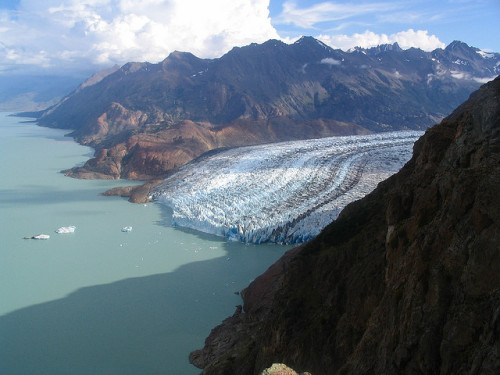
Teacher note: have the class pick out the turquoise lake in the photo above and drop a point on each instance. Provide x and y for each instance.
(101, 301)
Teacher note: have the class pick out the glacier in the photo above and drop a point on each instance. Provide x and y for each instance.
(282, 192)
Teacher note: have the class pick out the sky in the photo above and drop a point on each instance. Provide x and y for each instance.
(67, 36)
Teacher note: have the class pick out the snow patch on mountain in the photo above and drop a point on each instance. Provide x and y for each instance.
(485, 55)
(284, 192)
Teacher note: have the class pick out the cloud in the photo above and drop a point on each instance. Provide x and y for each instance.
(465, 76)
(104, 32)
(330, 61)
(406, 39)
(410, 16)
(328, 11)
(333, 16)
(419, 38)
(483, 79)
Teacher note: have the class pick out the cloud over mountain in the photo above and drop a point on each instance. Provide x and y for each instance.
(406, 39)
(67, 36)
(104, 32)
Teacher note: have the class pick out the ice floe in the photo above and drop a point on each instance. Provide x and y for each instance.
(283, 192)
(40, 236)
(69, 229)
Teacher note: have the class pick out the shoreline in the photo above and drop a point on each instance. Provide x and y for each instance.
(135, 193)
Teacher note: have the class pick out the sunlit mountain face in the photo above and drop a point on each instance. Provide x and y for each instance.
(151, 118)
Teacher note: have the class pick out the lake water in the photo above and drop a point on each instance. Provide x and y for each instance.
(101, 301)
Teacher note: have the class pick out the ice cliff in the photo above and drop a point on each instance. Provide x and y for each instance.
(282, 192)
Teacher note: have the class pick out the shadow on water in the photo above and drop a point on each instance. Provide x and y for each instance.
(166, 214)
(144, 325)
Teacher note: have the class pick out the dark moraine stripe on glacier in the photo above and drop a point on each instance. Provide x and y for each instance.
(285, 192)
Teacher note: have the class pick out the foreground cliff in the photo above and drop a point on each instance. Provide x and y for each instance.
(405, 281)
(147, 119)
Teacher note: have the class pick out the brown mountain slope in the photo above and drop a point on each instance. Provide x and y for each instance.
(148, 155)
(405, 281)
(257, 94)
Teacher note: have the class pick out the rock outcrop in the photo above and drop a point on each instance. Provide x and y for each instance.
(146, 119)
(405, 281)
(281, 369)
(154, 155)
(135, 194)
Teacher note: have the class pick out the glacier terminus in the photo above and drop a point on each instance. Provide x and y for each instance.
(282, 192)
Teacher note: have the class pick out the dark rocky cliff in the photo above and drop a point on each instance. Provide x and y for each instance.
(146, 119)
(405, 281)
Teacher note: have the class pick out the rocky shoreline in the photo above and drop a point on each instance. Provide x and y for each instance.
(136, 193)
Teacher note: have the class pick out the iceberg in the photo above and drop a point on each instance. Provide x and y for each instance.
(283, 192)
(40, 237)
(69, 229)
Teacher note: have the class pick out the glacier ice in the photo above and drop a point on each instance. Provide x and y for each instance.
(282, 192)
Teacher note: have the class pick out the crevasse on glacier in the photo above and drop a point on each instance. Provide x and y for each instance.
(282, 192)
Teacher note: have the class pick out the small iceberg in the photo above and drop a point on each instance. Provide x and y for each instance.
(41, 237)
(38, 237)
(69, 229)
(127, 229)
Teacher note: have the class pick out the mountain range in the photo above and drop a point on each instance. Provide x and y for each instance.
(405, 281)
(145, 120)
(34, 92)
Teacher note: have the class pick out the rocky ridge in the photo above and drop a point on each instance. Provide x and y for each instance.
(146, 119)
(405, 281)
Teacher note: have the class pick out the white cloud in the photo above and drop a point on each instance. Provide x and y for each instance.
(419, 38)
(465, 76)
(329, 11)
(483, 79)
(330, 61)
(406, 39)
(106, 32)
(333, 16)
